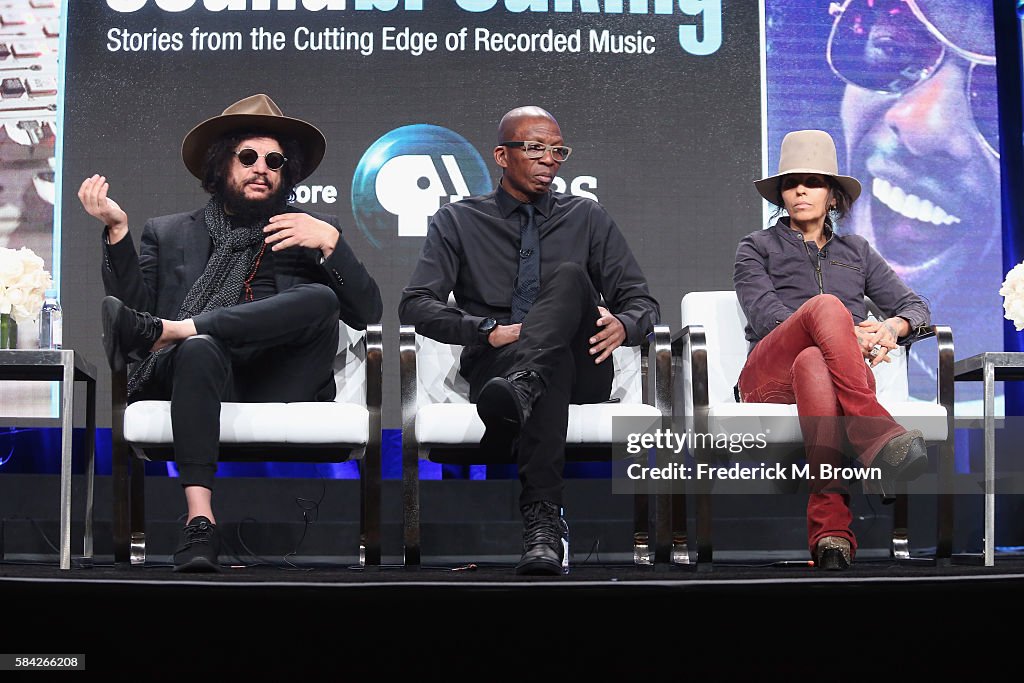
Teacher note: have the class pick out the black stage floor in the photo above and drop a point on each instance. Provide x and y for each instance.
(742, 620)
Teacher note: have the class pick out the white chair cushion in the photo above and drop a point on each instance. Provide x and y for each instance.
(438, 379)
(592, 423)
(780, 425)
(449, 424)
(344, 421)
(723, 321)
(445, 417)
(149, 423)
(350, 366)
(327, 423)
(457, 424)
(437, 373)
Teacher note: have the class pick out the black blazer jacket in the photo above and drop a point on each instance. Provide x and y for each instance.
(174, 250)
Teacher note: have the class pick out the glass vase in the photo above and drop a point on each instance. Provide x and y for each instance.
(28, 333)
(8, 331)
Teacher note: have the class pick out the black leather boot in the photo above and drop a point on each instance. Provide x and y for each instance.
(128, 335)
(903, 458)
(505, 404)
(833, 553)
(545, 540)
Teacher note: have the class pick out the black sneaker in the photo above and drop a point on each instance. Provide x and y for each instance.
(200, 547)
(545, 540)
(128, 335)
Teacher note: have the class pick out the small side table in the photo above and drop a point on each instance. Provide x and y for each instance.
(989, 368)
(67, 367)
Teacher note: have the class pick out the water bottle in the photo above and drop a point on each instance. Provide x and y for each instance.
(51, 328)
(565, 540)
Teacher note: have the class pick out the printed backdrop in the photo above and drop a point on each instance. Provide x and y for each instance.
(673, 108)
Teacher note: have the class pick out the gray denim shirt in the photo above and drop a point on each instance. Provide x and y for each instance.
(776, 272)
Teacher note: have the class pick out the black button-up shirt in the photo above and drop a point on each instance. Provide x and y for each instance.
(472, 249)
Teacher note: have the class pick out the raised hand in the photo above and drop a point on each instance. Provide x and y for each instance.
(93, 195)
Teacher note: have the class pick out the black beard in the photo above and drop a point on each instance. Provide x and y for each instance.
(244, 211)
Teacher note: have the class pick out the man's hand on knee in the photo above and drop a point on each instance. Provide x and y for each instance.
(610, 337)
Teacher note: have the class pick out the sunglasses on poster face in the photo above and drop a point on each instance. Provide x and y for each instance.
(248, 157)
(890, 47)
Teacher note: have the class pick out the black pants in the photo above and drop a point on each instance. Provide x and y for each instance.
(277, 349)
(554, 341)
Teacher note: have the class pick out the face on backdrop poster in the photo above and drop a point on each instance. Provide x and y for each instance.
(907, 88)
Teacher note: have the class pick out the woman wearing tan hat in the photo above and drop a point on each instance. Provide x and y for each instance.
(802, 288)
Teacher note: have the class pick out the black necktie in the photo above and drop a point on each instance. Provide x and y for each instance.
(528, 277)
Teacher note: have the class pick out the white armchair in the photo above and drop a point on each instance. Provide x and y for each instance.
(441, 425)
(709, 352)
(347, 428)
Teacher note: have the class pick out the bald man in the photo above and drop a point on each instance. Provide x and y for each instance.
(545, 288)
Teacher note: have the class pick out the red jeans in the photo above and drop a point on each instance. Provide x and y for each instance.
(813, 359)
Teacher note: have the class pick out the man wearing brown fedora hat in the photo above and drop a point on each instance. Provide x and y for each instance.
(235, 301)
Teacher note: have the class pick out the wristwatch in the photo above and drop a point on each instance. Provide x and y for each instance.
(485, 328)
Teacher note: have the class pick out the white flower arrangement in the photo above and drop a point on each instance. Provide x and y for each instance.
(1012, 292)
(23, 283)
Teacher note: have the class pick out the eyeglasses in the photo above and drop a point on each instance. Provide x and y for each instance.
(248, 157)
(536, 150)
(890, 47)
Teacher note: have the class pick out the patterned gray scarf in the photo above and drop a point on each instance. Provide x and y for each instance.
(234, 253)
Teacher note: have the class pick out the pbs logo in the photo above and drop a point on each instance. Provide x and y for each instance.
(407, 174)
